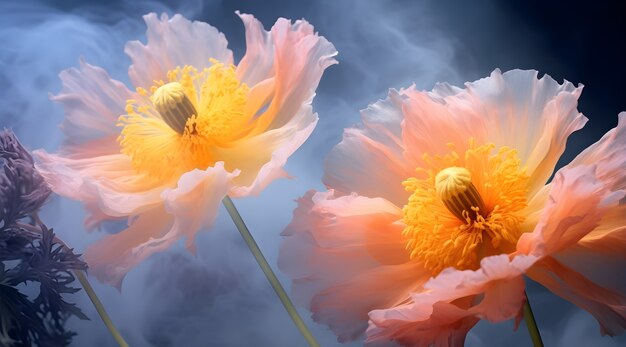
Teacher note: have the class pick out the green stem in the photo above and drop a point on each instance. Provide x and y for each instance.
(267, 270)
(533, 330)
(100, 308)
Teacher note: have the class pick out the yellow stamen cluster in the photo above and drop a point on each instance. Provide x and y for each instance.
(464, 208)
(173, 127)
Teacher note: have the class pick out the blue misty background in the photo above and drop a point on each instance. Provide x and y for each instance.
(219, 297)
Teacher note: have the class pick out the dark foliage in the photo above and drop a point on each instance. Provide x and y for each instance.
(31, 256)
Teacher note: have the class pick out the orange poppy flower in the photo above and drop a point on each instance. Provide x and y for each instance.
(438, 205)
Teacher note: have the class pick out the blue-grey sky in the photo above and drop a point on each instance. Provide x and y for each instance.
(220, 297)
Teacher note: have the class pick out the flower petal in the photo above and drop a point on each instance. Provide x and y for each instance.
(346, 256)
(196, 199)
(258, 62)
(451, 303)
(608, 307)
(113, 256)
(283, 68)
(514, 109)
(601, 255)
(260, 159)
(609, 238)
(89, 167)
(534, 116)
(107, 184)
(434, 120)
(192, 205)
(294, 56)
(609, 156)
(171, 43)
(576, 203)
(93, 102)
(375, 149)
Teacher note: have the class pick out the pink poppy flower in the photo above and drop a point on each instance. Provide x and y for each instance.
(193, 129)
(438, 206)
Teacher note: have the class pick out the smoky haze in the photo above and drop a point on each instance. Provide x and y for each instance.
(220, 297)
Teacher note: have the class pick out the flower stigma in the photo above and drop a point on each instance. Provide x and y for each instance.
(455, 188)
(174, 106)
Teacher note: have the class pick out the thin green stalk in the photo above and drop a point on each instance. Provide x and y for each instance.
(267, 270)
(533, 330)
(100, 308)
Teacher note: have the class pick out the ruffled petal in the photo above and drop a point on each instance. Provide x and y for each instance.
(514, 109)
(607, 243)
(195, 201)
(93, 102)
(451, 303)
(346, 256)
(108, 184)
(258, 62)
(369, 160)
(609, 238)
(260, 159)
(608, 155)
(435, 120)
(612, 243)
(601, 261)
(293, 56)
(189, 207)
(534, 116)
(115, 255)
(171, 43)
(576, 204)
(283, 68)
(584, 228)
(607, 306)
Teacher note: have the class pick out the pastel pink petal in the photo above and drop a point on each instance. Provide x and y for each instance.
(93, 102)
(601, 255)
(291, 53)
(369, 160)
(576, 204)
(607, 306)
(258, 62)
(195, 201)
(189, 207)
(534, 116)
(433, 120)
(608, 155)
(609, 238)
(447, 328)
(260, 159)
(611, 243)
(601, 264)
(171, 43)
(107, 184)
(359, 234)
(515, 109)
(260, 95)
(344, 307)
(450, 304)
(112, 257)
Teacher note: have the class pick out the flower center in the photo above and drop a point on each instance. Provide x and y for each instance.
(174, 127)
(464, 208)
(174, 106)
(455, 188)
